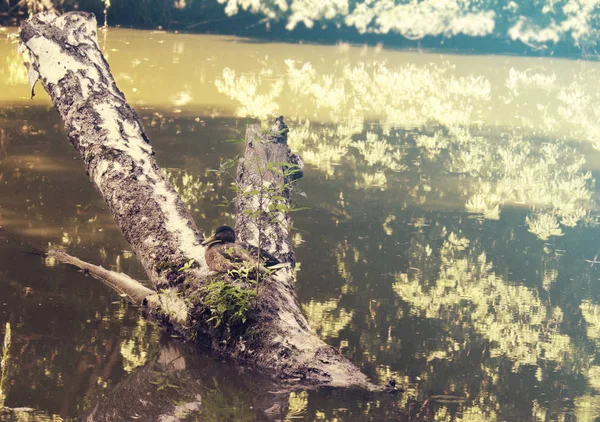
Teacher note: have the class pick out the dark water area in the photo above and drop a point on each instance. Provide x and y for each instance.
(451, 240)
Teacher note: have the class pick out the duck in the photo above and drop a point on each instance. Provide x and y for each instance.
(224, 254)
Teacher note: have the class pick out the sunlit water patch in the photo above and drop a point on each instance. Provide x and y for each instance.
(451, 240)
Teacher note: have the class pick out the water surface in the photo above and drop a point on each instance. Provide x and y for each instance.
(451, 241)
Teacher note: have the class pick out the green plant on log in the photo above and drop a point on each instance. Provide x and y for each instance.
(270, 197)
(228, 303)
(162, 381)
(242, 273)
(187, 265)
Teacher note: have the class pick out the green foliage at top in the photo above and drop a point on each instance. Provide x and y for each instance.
(537, 24)
(540, 24)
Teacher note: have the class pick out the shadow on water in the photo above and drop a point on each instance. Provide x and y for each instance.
(185, 383)
(180, 381)
(451, 241)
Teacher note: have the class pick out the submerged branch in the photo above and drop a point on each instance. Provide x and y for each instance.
(168, 308)
(128, 288)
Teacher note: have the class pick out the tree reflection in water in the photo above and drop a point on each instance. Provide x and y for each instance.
(450, 242)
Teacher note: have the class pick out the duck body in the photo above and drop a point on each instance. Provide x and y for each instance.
(224, 254)
(224, 257)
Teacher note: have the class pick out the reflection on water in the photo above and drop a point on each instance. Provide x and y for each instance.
(450, 244)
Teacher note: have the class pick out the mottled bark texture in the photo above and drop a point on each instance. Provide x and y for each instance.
(264, 147)
(63, 52)
(108, 134)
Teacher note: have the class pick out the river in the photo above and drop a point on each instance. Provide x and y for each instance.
(451, 241)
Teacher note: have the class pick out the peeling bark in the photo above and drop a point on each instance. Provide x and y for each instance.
(109, 136)
(64, 53)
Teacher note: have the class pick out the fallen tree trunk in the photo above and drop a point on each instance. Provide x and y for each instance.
(62, 51)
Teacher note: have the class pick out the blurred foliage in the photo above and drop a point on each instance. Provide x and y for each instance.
(562, 26)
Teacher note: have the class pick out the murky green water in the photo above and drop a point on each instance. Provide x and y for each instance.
(451, 241)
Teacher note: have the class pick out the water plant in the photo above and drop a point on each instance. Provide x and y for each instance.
(4, 362)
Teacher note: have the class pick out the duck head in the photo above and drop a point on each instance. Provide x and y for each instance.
(223, 234)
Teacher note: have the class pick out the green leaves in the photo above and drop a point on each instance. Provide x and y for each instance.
(162, 381)
(266, 195)
(228, 164)
(228, 303)
(187, 265)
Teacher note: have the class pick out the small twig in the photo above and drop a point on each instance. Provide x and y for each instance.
(228, 18)
(128, 288)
